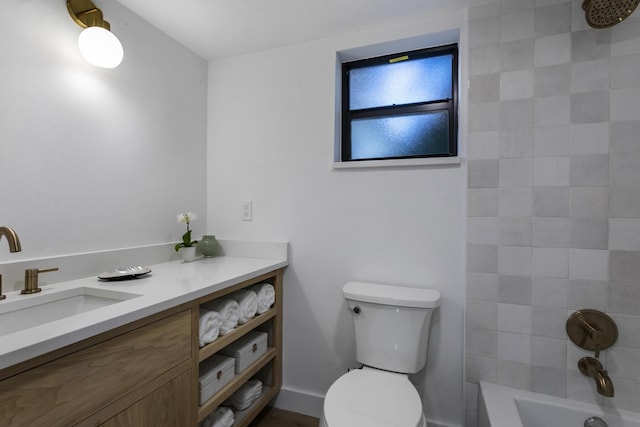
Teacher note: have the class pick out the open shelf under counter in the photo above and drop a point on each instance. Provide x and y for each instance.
(235, 384)
(223, 341)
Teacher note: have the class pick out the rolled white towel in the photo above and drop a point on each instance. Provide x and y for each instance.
(247, 304)
(220, 417)
(228, 310)
(209, 328)
(245, 395)
(266, 296)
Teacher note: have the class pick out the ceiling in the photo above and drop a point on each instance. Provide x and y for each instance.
(221, 28)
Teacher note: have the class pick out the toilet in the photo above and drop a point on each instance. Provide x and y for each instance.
(392, 333)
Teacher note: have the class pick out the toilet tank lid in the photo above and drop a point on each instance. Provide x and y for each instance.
(400, 296)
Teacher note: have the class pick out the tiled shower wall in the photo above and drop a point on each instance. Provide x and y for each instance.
(553, 197)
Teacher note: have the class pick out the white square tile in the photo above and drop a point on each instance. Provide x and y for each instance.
(552, 50)
(484, 60)
(621, 363)
(624, 234)
(482, 286)
(625, 39)
(514, 260)
(479, 368)
(625, 104)
(482, 230)
(514, 347)
(588, 264)
(589, 138)
(481, 314)
(484, 31)
(551, 171)
(517, 25)
(552, 111)
(484, 117)
(549, 352)
(516, 84)
(483, 145)
(514, 374)
(514, 318)
(590, 76)
(515, 202)
(549, 292)
(551, 232)
(551, 141)
(515, 172)
(551, 262)
(516, 143)
(624, 71)
(589, 202)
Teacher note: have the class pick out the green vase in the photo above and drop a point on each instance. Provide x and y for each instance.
(208, 245)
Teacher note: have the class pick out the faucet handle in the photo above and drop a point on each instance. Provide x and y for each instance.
(31, 280)
(1, 295)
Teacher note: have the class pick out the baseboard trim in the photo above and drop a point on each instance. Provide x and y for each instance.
(300, 401)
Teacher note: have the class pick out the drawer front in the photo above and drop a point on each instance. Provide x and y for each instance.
(67, 390)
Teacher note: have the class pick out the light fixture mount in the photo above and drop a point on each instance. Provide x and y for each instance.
(86, 14)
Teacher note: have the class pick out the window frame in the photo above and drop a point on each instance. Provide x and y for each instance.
(450, 104)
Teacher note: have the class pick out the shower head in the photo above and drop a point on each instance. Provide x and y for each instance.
(606, 13)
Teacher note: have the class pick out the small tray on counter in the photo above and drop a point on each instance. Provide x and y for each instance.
(125, 273)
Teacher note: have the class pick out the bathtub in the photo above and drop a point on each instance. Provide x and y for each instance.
(500, 406)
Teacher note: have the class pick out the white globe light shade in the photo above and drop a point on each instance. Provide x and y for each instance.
(100, 47)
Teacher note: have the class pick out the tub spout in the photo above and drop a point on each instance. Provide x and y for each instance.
(12, 238)
(593, 368)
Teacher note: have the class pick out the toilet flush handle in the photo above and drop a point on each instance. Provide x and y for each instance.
(356, 309)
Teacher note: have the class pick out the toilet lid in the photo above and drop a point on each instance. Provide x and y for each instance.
(368, 398)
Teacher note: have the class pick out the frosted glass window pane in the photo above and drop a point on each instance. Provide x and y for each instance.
(400, 136)
(405, 82)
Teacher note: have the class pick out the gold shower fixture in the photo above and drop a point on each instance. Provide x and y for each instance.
(606, 13)
(97, 44)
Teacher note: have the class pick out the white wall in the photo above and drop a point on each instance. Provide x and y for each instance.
(94, 159)
(271, 133)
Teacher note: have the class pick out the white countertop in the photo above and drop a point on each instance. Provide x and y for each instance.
(168, 285)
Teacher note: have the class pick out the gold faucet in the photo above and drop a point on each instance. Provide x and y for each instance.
(592, 367)
(14, 246)
(31, 280)
(12, 238)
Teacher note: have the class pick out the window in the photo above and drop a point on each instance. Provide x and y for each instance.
(400, 106)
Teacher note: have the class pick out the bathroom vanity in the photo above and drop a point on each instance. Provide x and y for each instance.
(136, 362)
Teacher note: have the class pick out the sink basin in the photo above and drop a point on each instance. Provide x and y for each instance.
(36, 310)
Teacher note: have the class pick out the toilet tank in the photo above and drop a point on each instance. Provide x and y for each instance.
(391, 324)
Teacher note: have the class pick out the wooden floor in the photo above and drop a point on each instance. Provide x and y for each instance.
(272, 417)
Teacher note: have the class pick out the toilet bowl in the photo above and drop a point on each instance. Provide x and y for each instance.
(370, 397)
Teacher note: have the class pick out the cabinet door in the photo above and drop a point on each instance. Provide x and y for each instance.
(167, 406)
(67, 390)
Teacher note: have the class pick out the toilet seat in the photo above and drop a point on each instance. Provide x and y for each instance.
(372, 398)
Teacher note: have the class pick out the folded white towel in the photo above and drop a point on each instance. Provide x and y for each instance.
(245, 395)
(220, 417)
(266, 296)
(228, 310)
(209, 328)
(247, 303)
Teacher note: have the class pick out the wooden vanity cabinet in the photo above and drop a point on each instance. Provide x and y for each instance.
(141, 374)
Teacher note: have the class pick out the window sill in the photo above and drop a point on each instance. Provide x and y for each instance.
(398, 163)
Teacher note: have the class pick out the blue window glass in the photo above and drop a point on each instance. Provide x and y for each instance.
(400, 106)
(403, 82)
(400, 136)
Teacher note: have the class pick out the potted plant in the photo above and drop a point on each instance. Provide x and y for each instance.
(187, 247)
